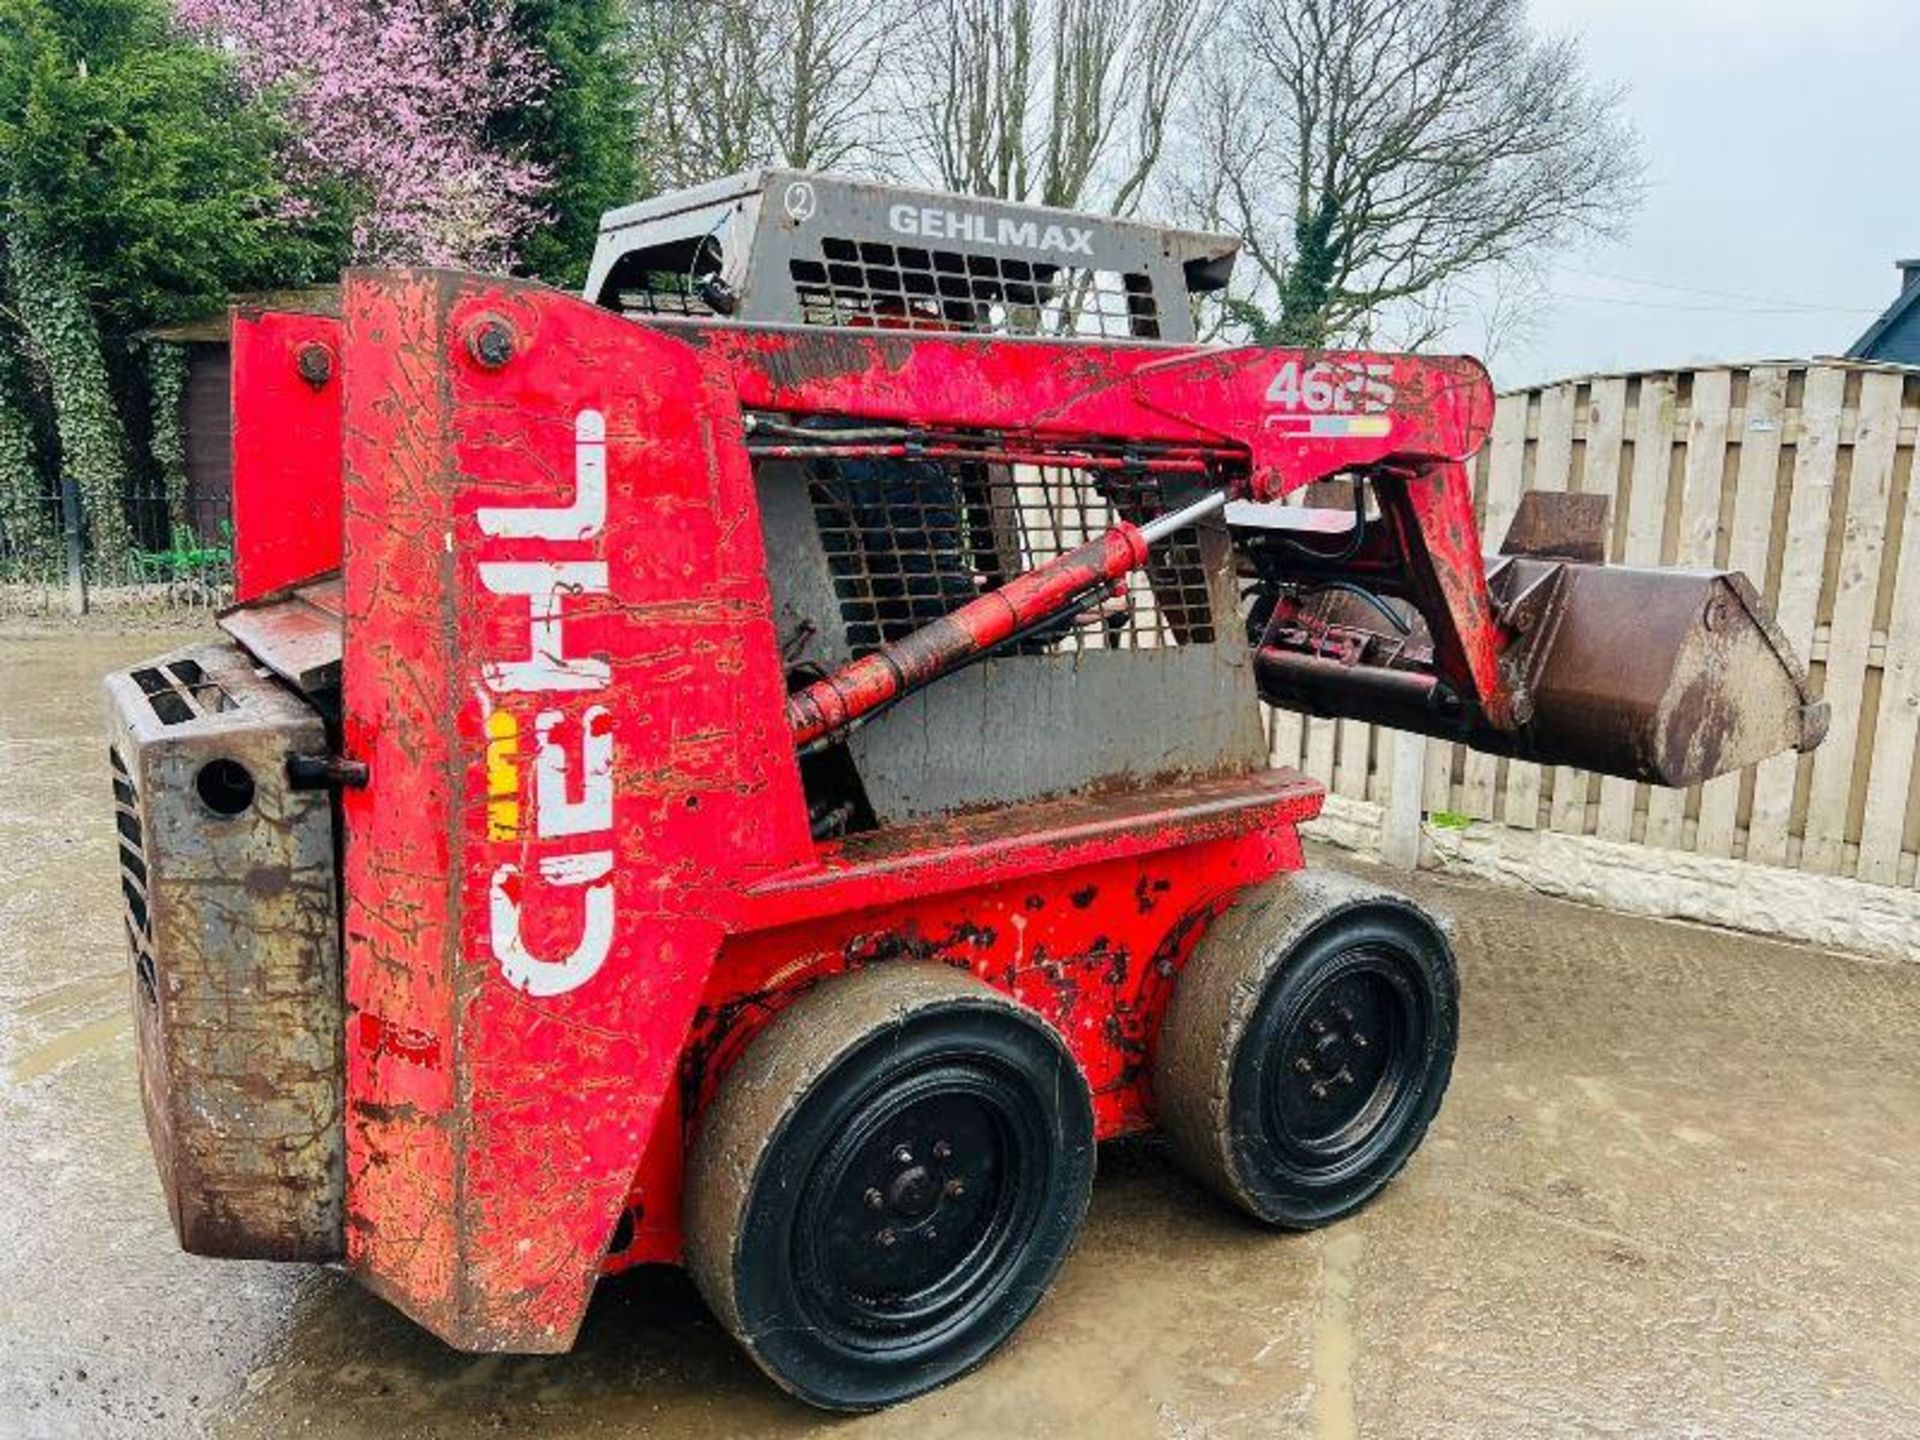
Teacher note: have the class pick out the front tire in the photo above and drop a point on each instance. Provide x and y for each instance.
(887, 1182)
(1307, 1046)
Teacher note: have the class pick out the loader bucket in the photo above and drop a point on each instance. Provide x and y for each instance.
(1667, 676)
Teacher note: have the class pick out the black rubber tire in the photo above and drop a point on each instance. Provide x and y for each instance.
(784, 1238)
(1307, 1046)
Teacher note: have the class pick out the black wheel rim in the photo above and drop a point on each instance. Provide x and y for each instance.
(917, 1216)
(1346, 1063)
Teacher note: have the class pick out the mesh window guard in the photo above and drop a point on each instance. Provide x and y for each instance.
(911, 538)
(909, 287)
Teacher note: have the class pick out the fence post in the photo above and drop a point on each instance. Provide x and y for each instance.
(76, 549)
(1400, 824)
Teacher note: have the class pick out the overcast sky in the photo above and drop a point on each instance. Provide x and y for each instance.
(1782, 140)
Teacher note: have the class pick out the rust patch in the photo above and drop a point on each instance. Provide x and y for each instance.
(1147, 891)
(827, 354)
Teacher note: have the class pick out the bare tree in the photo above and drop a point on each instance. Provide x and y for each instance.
(979, 62)
(697, 68)
(728, 84)
(1064, 102)
(1380, 155)
(822, 98)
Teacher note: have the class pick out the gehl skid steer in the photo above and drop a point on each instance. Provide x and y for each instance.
(761, 768)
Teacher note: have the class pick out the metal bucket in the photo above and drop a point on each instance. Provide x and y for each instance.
(1667, 676)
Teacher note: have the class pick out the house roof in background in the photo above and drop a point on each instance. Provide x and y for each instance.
(1909, 297)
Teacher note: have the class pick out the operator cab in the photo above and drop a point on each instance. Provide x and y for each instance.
(785, 246)
(862, 551)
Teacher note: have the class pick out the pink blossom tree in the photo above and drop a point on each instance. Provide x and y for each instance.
(395, 100)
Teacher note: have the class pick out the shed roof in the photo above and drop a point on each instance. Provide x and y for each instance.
(215, 327)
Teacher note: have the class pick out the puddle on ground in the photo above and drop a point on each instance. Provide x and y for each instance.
(84, 991)
(66, 1047)
(1334, 1346)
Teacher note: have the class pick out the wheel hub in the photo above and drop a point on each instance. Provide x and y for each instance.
(1344, 1059)
(916, 1201)
(913, 1195)
(1336, 1035)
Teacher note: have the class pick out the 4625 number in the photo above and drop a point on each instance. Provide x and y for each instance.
(1359, 388)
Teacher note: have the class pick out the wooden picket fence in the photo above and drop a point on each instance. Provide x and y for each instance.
(1801, 474)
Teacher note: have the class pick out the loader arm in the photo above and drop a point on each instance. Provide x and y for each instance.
(1272, 421)
(1245, 415)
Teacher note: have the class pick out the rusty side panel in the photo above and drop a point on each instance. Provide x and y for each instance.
(227, 876)
(939, 856)
(286, 449)
(561, 667)
(1093, 946)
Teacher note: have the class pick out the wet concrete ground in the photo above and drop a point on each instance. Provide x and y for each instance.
(1675, 1190)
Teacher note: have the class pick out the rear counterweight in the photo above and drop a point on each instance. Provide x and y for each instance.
(228, 878)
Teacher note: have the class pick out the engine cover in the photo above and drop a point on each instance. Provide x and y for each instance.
(231, 910)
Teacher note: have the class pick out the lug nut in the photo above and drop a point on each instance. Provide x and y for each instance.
(1303, 1065)
(1319, 1091)
(942, 1150)
(1317, 1025)
(875, 1200)
(903, 1156)
(931, 1233)
(956, 1188)
(1359, 1042)
(886, 1238)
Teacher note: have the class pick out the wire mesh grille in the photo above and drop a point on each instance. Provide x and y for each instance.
(914, 288)
(910, 540)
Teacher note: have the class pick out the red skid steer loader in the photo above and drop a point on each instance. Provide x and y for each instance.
(760, 768)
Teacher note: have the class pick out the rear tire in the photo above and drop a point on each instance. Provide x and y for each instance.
(887, 1182)
(1307, 1046)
